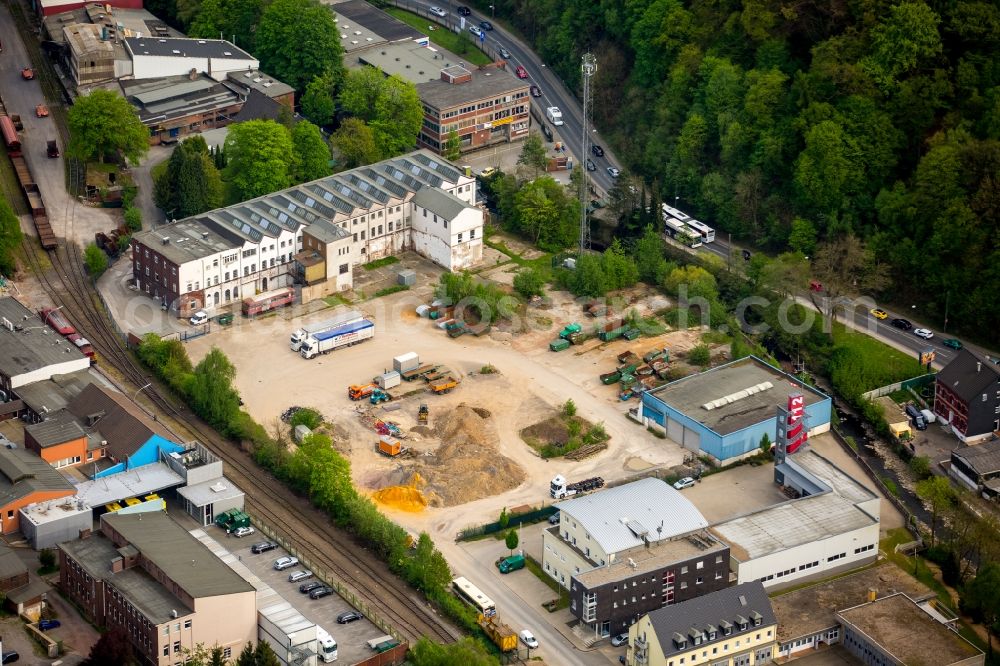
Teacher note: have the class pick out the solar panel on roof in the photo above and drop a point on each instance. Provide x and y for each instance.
(310, 202)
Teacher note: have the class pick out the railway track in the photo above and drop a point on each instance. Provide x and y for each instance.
(292, 517)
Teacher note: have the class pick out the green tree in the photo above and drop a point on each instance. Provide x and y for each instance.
(939, 494)
(191, 183)
(786, 274)
(47, 559)
(700, 356)
(546, 214)
(533, 154)
(260, 158)
(312, 154)
(261, 655)
(133, 219)
(920, 466)
(511, 540)
(452, 147)
(317, 101)
(297, 41)
(694, 281)
(619, 269)
(569, 408)
(845, 266)
(504, 519)
(649, 259)
(907, 38)
(765, 444)
(429, 570)
(210, 21)
(802, 238)
(113, 647)
(390, 106)
(212, 394)
(355, 142)
(824, 168)
(981, 598)
(203, 656)
(104, 122)
(529, 282)
(589, 279)
(95, 260)
(10, 237)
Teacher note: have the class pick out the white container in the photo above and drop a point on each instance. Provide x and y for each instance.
(388, 380)
(928, 415)
(406, 362)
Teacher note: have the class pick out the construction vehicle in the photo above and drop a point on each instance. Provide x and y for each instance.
(410, 375)
(443, 385)
(502, 635)
(570, 330)
(378, 395)
(512, 563)
(230, 520)
(422, 415)
(389, 446)
(360, 391)
(337, 337)
(559, 489)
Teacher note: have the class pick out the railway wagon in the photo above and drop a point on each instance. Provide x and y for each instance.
(34, 198)
(270, 300)
(10, 137)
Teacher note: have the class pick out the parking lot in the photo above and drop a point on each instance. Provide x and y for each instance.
(350, 638)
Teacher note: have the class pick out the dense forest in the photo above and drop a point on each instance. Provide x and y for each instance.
(790, 123)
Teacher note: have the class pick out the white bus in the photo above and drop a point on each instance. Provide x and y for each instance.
(681, 233)
(675, 213)
(472, 595)
(707, 233)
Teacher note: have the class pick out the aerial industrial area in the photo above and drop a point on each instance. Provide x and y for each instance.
(348, 339)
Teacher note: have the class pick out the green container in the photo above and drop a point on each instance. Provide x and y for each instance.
(559, 345)
(225, 319)
(607, 336)
(631, 333)
(627, 381)
(611, 377)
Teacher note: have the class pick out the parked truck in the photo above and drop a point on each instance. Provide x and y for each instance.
(559, 489)
(443, 385)
(327, 646)
(299, 335)
(327, 341)
(501, 634)
(360, 391)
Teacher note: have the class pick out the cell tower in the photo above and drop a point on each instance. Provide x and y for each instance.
(588, 66)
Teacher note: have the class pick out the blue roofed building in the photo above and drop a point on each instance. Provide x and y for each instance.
(724, 412)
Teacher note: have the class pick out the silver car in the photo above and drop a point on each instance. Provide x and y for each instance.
(296, 576)
(283, 563)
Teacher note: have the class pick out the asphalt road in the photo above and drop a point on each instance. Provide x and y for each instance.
(554, 93)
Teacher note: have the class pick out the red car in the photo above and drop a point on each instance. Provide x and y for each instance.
(521, 72)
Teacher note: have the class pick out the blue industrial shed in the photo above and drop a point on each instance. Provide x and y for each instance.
(724, 412)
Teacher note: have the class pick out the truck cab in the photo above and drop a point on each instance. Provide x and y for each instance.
(326, 646)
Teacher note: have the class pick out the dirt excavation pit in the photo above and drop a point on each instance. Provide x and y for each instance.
(466, 466)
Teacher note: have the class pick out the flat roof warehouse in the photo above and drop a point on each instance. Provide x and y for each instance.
(752, 391)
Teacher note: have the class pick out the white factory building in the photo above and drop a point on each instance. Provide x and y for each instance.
(417, 201)
(832, 526)
(154, 57)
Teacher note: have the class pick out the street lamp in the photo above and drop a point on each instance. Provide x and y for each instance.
(493, 11)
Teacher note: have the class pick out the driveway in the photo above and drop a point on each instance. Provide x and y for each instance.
(143, 178)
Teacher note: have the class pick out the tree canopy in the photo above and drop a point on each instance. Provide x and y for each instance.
(104, 122)
(355, 143)
(298, 40)
(191, 183)
(260, 155)
(317, 100)
(312, 154)
(389, 106)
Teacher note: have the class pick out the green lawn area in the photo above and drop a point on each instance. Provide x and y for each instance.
(460, 45)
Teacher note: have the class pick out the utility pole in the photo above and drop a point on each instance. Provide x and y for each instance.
(588, 66)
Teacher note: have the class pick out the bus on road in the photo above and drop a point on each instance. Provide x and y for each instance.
(680, 232)
(472, 595)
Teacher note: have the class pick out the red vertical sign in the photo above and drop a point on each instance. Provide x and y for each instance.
(796, 434)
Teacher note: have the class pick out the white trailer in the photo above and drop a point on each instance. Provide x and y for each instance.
(348, 334)
(405, 362)
(388, 380)
(299, 335)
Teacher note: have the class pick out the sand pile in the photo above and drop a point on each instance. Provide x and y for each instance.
(405, 497)
(468, 465)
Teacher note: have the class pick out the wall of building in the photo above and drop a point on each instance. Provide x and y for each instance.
(226, 620)
(793, 560)
(437, 238)
(87, 592)
(151, 66)
(750, 643)
(12, 512)
(46, 372)
(53, 532)
(795, 647)
(560, 561)
(147, 454)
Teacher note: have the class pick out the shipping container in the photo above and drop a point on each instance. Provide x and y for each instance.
(559, 345)
(405, 362)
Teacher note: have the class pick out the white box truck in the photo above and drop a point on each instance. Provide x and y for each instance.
(299, 335)
(326, 647)
(345, 335)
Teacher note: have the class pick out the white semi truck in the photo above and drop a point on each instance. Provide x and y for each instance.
(344, 335)
(299, 336)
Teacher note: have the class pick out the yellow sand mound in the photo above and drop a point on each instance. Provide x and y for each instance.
(405, 498)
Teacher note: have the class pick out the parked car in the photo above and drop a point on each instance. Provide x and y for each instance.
(27, 73)
(521, 72)
(52, 149)
(486, 25)
(45, 625)
(554, 518)
(536, 91)
(879, 313)
(305, 588)
(463, 11)
(476, 30)
(916, 416)
(42, 111)
(529, 639)
(349, 616)
(504, 53)
(320, 592)
(262, 547)
(437, 11)
(199, 318)
(597, 150)
(952, 343)
(590, 165)
(614, 172)
(901, 324)
(296, 576)
(686, 482)
(241, 532)
(619, 640)
(286, 562)
(924, 333)
(9, 657)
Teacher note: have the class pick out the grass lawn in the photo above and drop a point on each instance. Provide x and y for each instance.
(460, 45)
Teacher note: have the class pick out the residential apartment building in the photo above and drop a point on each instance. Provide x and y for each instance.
(483, 108)
(731, 627)
(146, 574)
(624, 551)
(221, 256)
(967, 396)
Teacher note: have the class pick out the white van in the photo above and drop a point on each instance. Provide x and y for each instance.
(554, 115)
(928, 415)
(326, 646)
